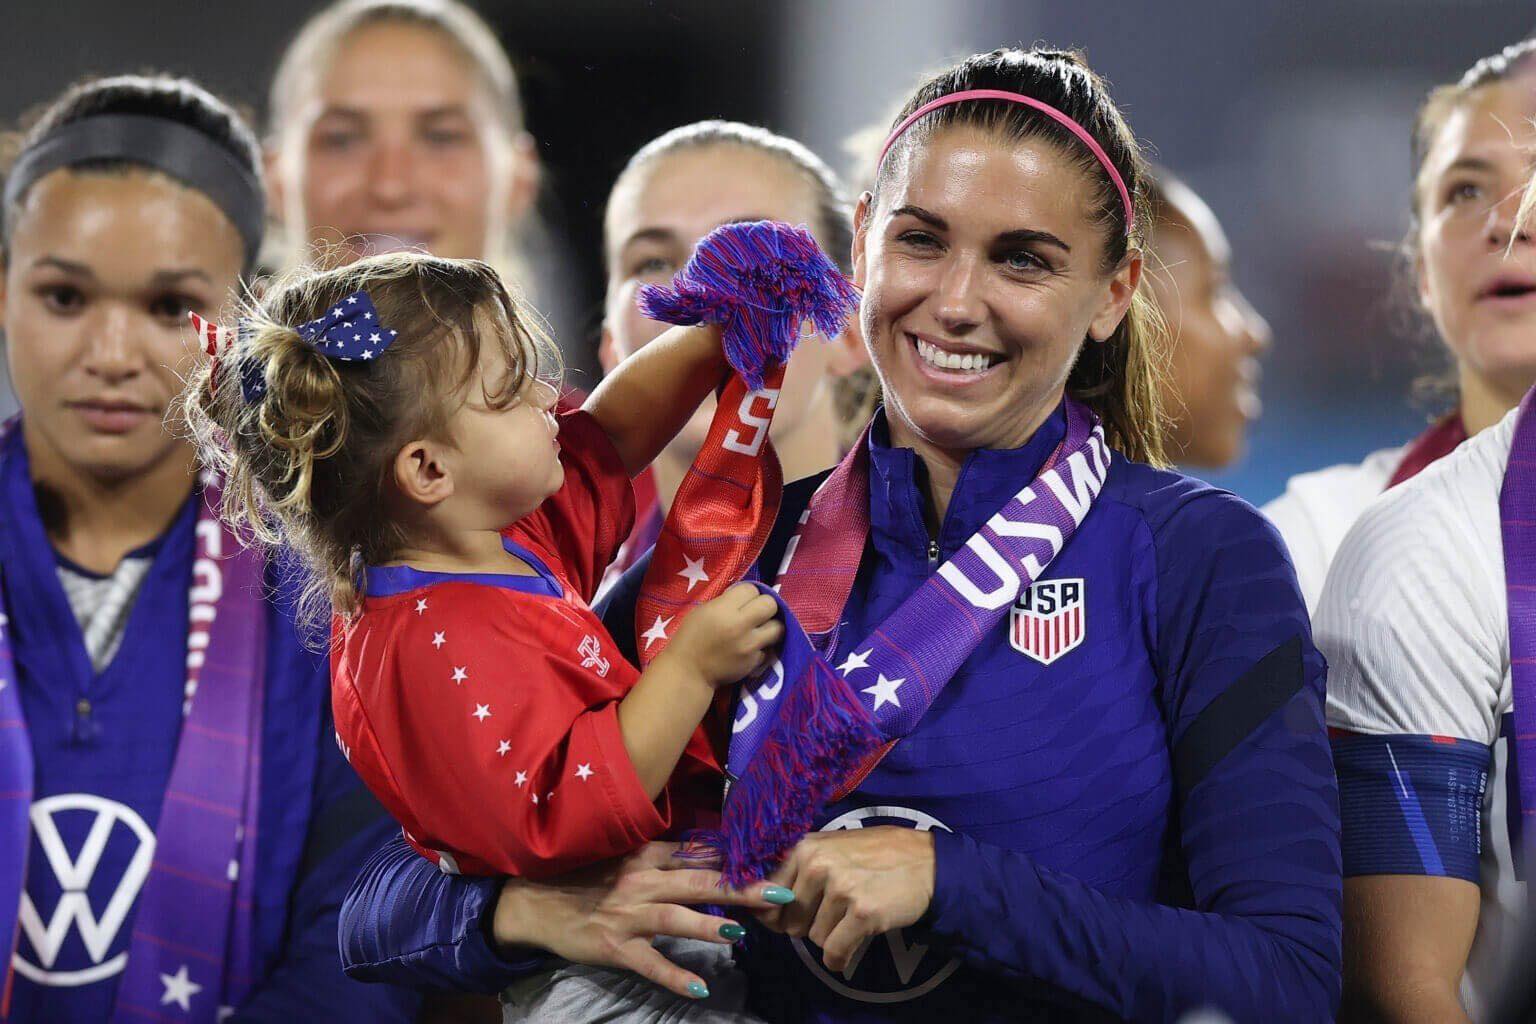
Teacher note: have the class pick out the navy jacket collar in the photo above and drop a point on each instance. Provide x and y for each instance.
(898, 488)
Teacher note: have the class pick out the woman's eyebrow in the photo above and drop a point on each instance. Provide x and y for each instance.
(1030, 236)
(926, 216)
(68, 266)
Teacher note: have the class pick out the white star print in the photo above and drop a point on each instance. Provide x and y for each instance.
(357, 337)
(421, 605)
(693, 572)
(658, 631)
(483, 711)
(393, 333)
(336, 311)
(438, 639)
(179, 989)
(367, 353)
(460, 673)
(884, 691)
(6, 622)
(854, 662)
(535, 798)
(373, 337)
(351, 300)
(584, 772)
(503, 747)
(521, 780)
(367, 316)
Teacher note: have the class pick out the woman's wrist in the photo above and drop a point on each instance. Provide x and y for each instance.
(515, 921)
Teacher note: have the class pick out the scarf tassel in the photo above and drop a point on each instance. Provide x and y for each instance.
(760, 281)
(821, 734)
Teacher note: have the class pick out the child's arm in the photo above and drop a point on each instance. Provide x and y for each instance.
(646, 400)
(719, 642)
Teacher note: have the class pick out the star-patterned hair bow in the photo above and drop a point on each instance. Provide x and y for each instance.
(349, 331)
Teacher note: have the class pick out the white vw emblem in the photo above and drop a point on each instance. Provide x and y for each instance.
(905, 958)
(74, 872)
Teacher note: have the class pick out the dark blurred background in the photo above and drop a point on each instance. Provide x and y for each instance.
(1292, 120)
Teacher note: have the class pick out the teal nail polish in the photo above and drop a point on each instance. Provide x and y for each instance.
(732, 931)
(778, 894)
(697, 990)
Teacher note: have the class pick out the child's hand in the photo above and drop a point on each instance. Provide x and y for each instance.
(729, 638)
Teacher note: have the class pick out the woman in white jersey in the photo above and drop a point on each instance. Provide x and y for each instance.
(1471, 149)
(1427, 623)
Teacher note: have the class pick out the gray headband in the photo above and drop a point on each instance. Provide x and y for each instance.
(174, 149)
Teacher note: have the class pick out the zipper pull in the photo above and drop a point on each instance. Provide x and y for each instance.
(86, 729)
(933, 553)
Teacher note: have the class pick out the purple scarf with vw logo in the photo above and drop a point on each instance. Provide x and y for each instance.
(191, 952)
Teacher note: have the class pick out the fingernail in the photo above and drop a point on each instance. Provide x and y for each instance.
(732, 931)
(697, 990)
(778, 894)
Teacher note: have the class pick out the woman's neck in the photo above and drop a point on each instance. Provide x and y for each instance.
(1484, 401)
(810, 448)
(95, 522)
(943, 464)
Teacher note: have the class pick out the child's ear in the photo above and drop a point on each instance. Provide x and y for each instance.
(421, 474)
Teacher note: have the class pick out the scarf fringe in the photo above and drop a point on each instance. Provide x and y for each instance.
(760, 281)
(820, 736)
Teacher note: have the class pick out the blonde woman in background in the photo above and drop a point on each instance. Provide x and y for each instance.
(398, 124)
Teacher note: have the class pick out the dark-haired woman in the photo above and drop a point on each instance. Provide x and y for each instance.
(1211, 391)
(178, 825)
(1121, 804)
(1471, 159)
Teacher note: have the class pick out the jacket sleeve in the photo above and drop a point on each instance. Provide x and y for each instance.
(407, 923)
(1257, 826)
(307, 982)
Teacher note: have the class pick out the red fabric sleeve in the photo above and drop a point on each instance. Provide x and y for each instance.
(583, 523)
(495, 750)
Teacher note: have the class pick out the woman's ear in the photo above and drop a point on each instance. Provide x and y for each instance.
(421, 475)
(861, 214)
(847, 349)
(275, 184)
(527, 174)
(1117, 297)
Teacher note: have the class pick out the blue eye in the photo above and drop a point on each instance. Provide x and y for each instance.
(1023, 260)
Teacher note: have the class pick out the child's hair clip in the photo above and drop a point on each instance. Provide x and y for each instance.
(349, 331)
(219, 342)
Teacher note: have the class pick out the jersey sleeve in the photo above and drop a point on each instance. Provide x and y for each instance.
(1309, 555)
(491, 751)
(1408, 622)
(583, 524)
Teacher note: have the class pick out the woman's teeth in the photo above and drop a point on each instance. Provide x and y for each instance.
(934, 356)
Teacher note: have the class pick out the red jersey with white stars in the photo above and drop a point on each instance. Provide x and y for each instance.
(482, 710)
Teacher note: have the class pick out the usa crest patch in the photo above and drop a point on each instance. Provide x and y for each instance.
(1049, 619)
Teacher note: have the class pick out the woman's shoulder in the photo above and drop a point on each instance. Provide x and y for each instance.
(1327, 501)
(1171, 502)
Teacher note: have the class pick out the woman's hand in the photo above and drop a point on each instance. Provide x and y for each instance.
(606, 915)
(852, 885)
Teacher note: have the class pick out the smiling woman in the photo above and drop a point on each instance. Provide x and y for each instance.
(396, 124)
(133, 201)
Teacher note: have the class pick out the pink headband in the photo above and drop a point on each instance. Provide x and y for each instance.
(1028, 101)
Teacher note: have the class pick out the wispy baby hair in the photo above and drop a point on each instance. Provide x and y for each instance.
(306, 458)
